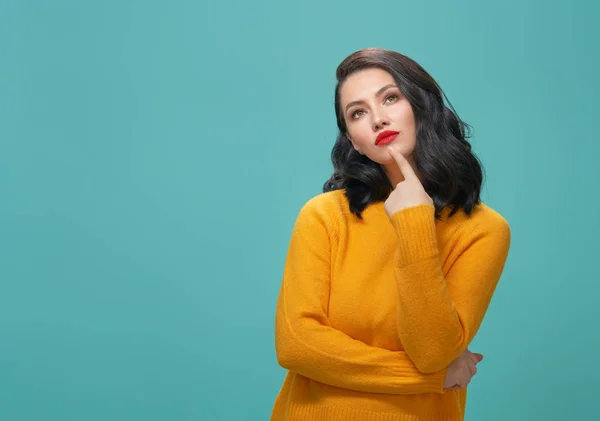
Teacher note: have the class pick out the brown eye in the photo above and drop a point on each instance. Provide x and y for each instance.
(394, 96)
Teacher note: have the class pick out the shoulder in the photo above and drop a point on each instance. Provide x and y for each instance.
(332, 204)
(327, 209)
(483, 220)
(484, 233)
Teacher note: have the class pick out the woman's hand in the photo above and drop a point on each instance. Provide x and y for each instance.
(409, 192)
(461, 370)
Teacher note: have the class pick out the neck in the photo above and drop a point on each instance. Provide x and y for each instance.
(395, 175)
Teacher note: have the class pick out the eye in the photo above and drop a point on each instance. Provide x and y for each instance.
(354, 114)
(394, 96)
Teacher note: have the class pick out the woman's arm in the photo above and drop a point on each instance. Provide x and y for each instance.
(307, 344)
(440, 315)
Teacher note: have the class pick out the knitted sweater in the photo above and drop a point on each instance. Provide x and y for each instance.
(372, 312)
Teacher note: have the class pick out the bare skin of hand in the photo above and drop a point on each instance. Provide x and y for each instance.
(461, 371)
(409, 192)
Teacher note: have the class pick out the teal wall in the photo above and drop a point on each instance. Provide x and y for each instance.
(154, 155)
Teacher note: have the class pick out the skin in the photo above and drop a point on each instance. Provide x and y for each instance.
(371, 103)
(368, 111)
(461, 371)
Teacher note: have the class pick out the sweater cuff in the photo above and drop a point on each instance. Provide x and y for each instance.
(415, 227)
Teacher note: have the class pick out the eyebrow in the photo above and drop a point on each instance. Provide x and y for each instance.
(379, 92)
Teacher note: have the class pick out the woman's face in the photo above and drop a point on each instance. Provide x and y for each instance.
(371, 104)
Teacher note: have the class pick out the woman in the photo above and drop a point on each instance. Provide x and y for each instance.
(391, 269)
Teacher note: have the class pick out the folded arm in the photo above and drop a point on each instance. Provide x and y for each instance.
(440, 315)
(307, 344)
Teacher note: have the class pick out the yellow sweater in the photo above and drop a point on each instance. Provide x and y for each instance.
(372, 312)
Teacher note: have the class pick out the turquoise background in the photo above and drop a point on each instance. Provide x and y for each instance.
(154, 156)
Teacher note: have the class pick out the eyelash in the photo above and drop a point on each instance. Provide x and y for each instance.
(360, 109)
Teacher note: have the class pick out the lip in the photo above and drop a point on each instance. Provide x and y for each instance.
(386, 134)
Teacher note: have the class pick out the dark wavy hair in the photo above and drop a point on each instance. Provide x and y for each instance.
(451, 173)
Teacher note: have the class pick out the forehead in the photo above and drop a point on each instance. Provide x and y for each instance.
(364, 84)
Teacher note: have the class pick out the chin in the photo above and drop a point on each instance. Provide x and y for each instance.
(383, 156)
(382, 160)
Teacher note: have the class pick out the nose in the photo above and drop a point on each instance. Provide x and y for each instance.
(379, 120)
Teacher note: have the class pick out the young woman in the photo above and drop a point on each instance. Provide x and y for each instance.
(391, 269)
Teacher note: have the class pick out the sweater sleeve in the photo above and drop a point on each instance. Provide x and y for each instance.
(307, 344)
(440, 315)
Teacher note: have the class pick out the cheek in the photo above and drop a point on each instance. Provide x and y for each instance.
(359, 133)
(404, 114)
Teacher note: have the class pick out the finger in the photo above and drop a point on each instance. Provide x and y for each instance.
(473, 370)
(405, 167)
(474, 356)
(470, 358)
(470, 371)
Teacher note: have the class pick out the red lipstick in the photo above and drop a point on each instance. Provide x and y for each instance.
(386, 137)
